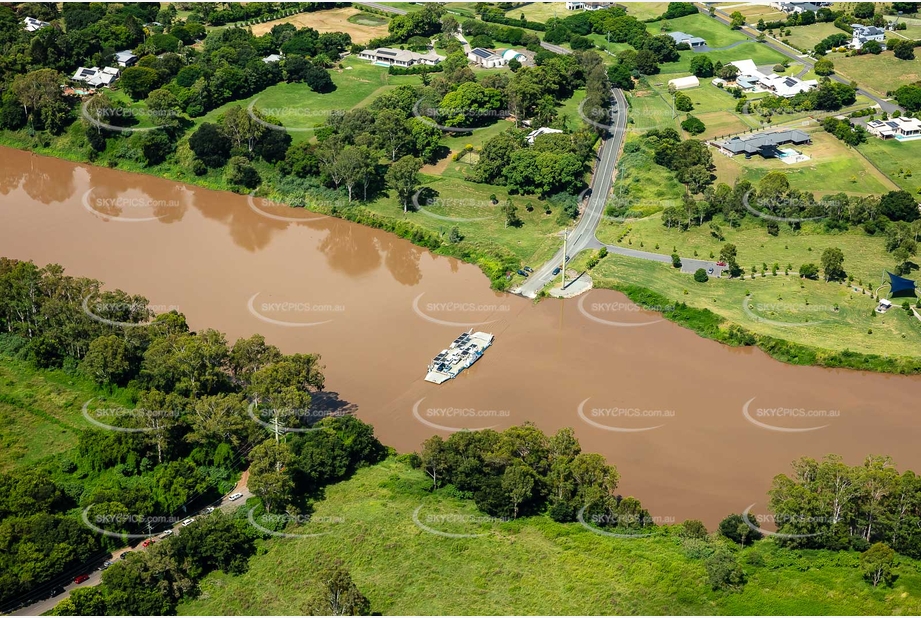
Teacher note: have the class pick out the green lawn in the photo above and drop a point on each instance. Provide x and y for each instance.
(901, 161)
(914, 26)
(297, 106)
(713, 31)
(646, 10)
(540, 11)
(881, 73)
(531, 566)
(40, 412)
(760, 54)
(806, 37)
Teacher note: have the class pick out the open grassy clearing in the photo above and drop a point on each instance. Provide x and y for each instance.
(540, 11)
(913, 31)
(346, 19)
(40, 412)
(528, 566)
(834, 167)
(760, 54)
(882, 73)
(713, 31)
(806, 37)
(783, 306)
(896, 159)
(753, 12)
(646, 10)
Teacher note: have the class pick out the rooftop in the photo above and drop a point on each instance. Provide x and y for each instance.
(755, 143)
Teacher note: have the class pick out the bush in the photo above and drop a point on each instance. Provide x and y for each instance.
(676, 260)
(693, 125)
(700, 276)
(724, 572)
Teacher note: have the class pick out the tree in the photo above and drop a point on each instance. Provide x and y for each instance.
(241, 172)
(877, 563)
(683, 102)
(693, 528)
(700, 276)
(864, 10)
(39, 92)
(646, 62)
(138, 81)
(738, 20)
(242, 128)
(403, 177)
(694, 126)
(809, 271)
(824, 66)
(903, 50)
(392, 131)
(514, 64)
(210, 145)
(833, 264)
(510, 211)
(737, 529)
(724, 572)
(899, 206)
(340, 596)
(518, 482)
(107, 360)
(270, 474)
(620, 76)
(702, 66)
(872, 47)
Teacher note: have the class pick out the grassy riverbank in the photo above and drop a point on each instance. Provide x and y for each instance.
(528, 566)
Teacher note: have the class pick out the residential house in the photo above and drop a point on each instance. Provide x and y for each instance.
(692, 41)
(750, 79)
(32, 24)
(863, 34)
(533, 135)
(901, 128)
(762, 143)
(125, 58)
(96, 77)
(485, 58)
(272, 58)
(387, 56)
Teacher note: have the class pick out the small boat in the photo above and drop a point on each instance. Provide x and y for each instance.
(463, 352)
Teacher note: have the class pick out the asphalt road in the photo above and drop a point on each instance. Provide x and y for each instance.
(583, 236)
(93, 568)
(723, 17)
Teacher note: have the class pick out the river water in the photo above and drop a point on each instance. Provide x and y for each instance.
(696, 429)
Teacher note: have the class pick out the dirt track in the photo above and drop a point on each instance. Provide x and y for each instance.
(333, 20)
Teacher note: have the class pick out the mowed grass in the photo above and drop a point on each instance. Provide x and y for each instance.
(530, 566)
(646, 10)
(540, 11)
(882, 73)
(298, 107)
(806, 37)
(40, 412)
(713, 31)
(829, 316)
(760, 54)
(896, 159)
(834, 167)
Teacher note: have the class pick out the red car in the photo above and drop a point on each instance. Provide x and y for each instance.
(148, 543)
(79, 579)
(721, 263)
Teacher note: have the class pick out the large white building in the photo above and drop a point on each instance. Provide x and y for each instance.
(94, 76)
(902, 129)
(683, 83)
(31, 24)
(864, 34)
(485, 58)
(589, 5)
(752, 80)
(387, 56)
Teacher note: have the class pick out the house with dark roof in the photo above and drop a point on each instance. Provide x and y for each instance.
(125, 58)
(763, 143)
(863, 34)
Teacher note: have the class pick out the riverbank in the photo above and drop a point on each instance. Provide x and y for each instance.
(632, 277)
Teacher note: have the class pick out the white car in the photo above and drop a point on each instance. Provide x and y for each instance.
(166, 534)
(188, 521)
(235, 496)
(209, 510)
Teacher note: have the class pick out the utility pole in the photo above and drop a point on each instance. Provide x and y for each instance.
(563, 269)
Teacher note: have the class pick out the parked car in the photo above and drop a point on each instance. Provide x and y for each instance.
(710, 270)
(721, 263)
(188, 521)
(556, 271)
(522, 273)
(79, 579)
(528, 269)
(165, 534)
(235, 496)
(209, 510)
(148, 542)
(57, 590)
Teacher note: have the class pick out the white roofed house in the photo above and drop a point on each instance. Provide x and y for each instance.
(387, 56)
(787, 86)
(96, 77)
(902, 128)
(485, 58)
(125, 58)
(682, 83)
(864, 34)
(31, 24)
(692, 41)
(533, 135)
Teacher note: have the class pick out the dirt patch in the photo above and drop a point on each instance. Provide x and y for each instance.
(333, 20)
(438, 168)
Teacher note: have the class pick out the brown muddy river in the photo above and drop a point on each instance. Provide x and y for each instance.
(378, 309)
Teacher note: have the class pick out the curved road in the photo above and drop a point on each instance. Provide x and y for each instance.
(583, 236)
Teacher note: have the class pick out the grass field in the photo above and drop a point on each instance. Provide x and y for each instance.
(896, 159)
(833, 168)
(346, 19)
(881, 73)
(806, 37)
(40, 412)
(646, 10)
(527, 567)
(914, 26)
(713, 31)
(540, 11)
(760, 54)
(801, 311)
